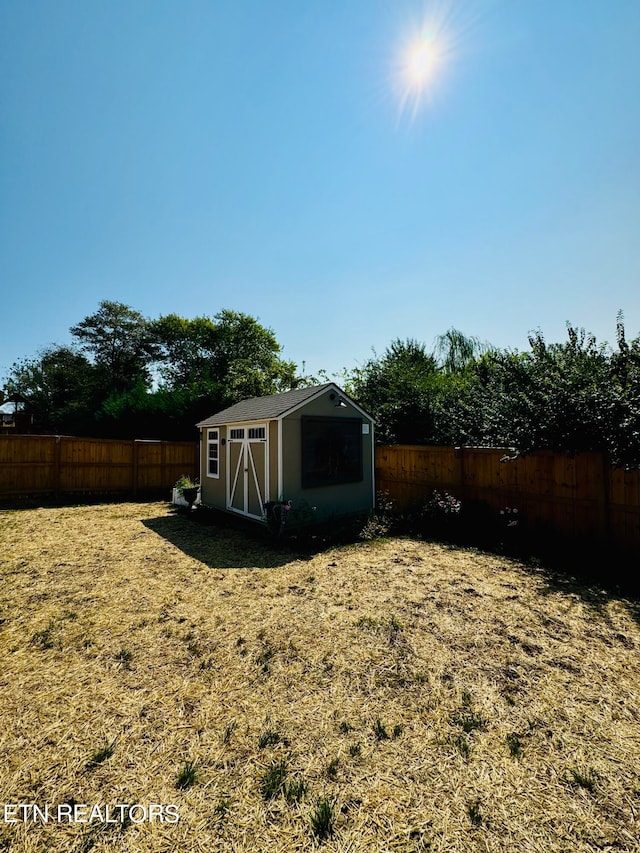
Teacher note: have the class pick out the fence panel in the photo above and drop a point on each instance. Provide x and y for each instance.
(624, 500)
(28, 464)
(571, 495)
(149, 463)
(35, 464)
(95, 466)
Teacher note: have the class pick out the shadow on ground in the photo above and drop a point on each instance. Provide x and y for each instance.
(597, 577)
(221, 541)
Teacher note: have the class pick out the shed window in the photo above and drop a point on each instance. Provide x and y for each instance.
(212, 453)
(331, 451)
(236, 433)
(257, 432)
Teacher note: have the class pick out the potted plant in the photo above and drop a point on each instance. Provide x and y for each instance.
(188, 489)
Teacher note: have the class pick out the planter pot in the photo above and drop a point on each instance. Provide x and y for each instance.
(190, 495)
(177, 499)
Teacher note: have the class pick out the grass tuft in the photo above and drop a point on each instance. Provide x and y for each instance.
(584, 778)
(105, 752)
(475, 813)
(323, 818)
(468, 721)
(369, 622)
(395, 625)
(379, 730)
(462, 744)
(294, 790)
(273, 780)
(332, 768)
(187, 776)
(269, 738)
(264, 658)
(222, 807)
(44, 639)
(125, 657)
(514, 744)
(229, 729)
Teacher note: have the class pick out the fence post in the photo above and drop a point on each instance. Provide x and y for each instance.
(606, 499)
(458, 454)
(57, 464)
(135, 467)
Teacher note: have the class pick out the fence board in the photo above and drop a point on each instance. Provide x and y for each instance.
(578, 496)
(31, 465)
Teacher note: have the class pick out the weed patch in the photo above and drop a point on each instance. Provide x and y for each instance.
(187, 776)
(323, 818)
(105, 752)
(273, 779)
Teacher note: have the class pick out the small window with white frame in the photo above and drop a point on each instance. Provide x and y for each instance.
(213, 458)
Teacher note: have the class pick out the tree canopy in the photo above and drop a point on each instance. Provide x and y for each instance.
(119, 343)
(573, 396)
(129, 376)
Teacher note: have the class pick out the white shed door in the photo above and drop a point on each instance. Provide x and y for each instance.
(247, 469)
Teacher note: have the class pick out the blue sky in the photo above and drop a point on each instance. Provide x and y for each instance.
(193, 156)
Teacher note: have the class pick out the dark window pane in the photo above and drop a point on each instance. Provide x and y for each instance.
(331, 451)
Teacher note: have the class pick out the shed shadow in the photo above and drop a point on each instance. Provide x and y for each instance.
(222, 542)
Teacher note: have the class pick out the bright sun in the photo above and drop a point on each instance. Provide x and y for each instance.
(428, 45)
(422, 57)
(424, 54)
(418, 62)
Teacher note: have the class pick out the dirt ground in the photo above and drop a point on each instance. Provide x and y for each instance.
(189, 687)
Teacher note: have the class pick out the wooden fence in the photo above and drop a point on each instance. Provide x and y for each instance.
(53, 464)
(578, 496)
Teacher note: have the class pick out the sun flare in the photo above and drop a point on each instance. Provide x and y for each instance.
(422, 58)
(424, 52)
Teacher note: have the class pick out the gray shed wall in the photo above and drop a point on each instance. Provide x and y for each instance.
(339, 499)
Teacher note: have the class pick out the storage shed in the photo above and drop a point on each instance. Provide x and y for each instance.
(312, 446)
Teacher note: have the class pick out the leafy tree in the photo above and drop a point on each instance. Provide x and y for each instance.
(140, 413)
(456, 350)
(398, 389)
(227, 357)
(204, 364)
(60, 387)
(573, 396)
(103, 384)
(553, 397)
(185, 349)
(120, 344)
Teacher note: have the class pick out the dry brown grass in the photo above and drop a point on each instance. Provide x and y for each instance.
(511, 704)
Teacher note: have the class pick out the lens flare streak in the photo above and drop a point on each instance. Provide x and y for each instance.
(421, 58)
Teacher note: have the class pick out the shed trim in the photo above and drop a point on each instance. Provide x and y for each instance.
(329, 387)
(280, 468)
(373, 464)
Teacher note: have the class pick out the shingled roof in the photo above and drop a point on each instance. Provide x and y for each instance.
(265, 408)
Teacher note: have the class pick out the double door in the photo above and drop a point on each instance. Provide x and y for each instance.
(247, 469)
